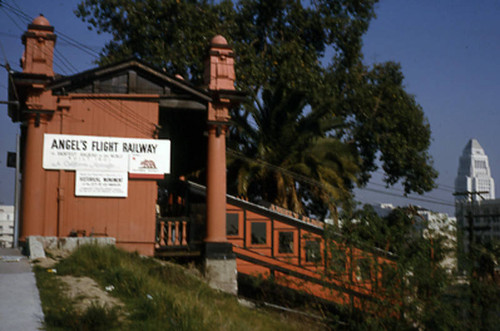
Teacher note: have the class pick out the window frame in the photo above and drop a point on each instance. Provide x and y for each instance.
(291, 243)
(250, 233)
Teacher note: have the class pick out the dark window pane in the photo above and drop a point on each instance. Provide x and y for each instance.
(363, 270)
(388, 276)
(232, 224)
(258, 233)
(338, 261)
(285, 242)
(313, 253)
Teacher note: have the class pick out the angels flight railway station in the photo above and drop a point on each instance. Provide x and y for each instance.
(105, 153)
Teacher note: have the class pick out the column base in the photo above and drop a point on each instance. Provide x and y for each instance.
(220, 267)
(220, 251)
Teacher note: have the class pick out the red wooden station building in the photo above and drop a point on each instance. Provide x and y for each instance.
(102, 152)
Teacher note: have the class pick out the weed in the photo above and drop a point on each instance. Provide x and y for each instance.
(156, 296)
(60, 313)
(97, 317)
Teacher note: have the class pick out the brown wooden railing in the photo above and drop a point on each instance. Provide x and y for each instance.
(172, 232)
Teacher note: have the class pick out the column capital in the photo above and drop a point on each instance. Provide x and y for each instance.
(39, 42)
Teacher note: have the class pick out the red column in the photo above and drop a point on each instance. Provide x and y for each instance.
(39, 43)
(220, 77)
(33, 180)
(216, 184)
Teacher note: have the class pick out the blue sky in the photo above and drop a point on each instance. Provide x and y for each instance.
(449, 51)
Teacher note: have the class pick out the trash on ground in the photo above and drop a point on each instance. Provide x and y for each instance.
(9, 258)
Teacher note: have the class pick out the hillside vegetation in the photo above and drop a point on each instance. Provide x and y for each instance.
(145, 294)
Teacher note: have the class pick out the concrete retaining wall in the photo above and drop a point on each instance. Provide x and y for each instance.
(222, 275)
(36, 245)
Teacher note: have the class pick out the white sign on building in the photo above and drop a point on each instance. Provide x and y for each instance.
(103, 164)
(73, 152)
(101, 184)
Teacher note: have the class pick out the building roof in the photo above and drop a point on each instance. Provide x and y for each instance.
(40, 20)
(474, 174)
(158, 78)
(131, 76)
(473, 147)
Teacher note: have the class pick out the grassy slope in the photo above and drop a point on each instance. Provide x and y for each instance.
(156, 297)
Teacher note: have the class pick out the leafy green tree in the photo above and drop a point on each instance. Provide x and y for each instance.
(386, 119)
(172, 35)
(480, 295)
(299, 63)
(408, 285)
(286, 158)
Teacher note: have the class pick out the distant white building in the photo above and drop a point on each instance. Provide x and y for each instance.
(474, 174)
(431, 225)
(476, 209)
(383, 209)
(441, 224)
(6, 225)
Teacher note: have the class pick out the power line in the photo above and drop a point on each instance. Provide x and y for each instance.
(10, 35)
(124, 113)
(434, 201)
(133, 115)
(59, 60)
(68, 63)
(13, 21)
(321, 185)
(400, 191)
(401, 194)
(277, 168)
(442, 187)
(6, 65)
(84, 48)
(115, 112)
(17, 11)
(451, 188)
(62, 61)
(69, 40)
(9, 75)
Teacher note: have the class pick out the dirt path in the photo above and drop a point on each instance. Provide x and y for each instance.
(85, 291)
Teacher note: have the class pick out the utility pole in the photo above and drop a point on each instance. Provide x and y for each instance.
(471, 229)
(470, 217)
(17, 193)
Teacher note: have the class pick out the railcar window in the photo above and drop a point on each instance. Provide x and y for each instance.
(285, 242)
(313, 253)
(259, 235)
(363, 269)
(388, 275)
(338, 261)
(232, 224)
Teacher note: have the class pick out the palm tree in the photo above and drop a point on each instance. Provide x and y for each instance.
(284, 151)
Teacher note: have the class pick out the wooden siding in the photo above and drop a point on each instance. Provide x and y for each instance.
(130, 220)
(295, 267)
